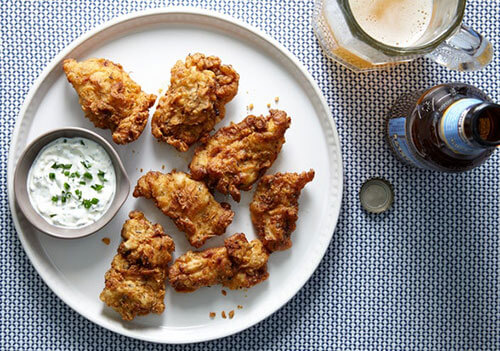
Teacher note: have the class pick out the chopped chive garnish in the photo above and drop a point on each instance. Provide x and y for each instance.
(86, 164)
(55, 198)
(66, 186)
(81, 142)
(66, 173)
(82, 183)
(63, 199)
(97, 187)
(52, 176)
(52, 215)
(65, 140)
(101, 174)
(75, 175)
(88, 203)
(60, 165)
(87, 175)
(78, 193)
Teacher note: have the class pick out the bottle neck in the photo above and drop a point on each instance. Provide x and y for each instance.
(470, 125)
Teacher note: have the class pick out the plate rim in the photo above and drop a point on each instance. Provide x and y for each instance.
(179, 10)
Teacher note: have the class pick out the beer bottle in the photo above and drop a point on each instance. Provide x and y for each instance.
(450, 128)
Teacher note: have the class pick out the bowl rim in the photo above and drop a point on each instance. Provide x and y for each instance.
(25, 162)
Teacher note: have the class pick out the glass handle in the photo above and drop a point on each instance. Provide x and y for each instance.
(466, 50)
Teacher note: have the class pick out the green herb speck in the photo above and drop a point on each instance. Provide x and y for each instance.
(87, 175)
(86, 164)
(82, 183)
(52, 176)
(55, 198)
(97, 187)
(66, 186)
(101, 174)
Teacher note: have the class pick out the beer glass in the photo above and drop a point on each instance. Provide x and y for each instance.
(445, 40)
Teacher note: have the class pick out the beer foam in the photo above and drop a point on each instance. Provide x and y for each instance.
(398, 23)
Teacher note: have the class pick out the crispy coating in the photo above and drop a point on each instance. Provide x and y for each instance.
(249, 260)
(196, 269)
(188, 203)
(109, 97)
(194, 102)
(135, 283)
(236, 156)
(274, 208)
(238, 264)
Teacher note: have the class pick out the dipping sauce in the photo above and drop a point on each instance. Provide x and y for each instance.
(72, 182)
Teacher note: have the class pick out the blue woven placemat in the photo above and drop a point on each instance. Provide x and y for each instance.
(423, 276)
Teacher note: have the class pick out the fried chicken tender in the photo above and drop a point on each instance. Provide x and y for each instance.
(109, 97)
(194, 270)
(249, 262)
(135, 283)
(194, 102)
(238, 264)
(274, 208)
(188, 203)
(236, 156)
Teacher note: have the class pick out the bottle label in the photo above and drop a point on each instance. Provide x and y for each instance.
(451, 126)
(397, 138)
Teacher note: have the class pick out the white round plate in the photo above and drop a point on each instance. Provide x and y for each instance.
(147, 44)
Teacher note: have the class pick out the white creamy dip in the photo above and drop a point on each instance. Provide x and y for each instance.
(72, 182)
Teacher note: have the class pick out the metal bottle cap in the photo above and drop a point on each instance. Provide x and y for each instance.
(376, 195)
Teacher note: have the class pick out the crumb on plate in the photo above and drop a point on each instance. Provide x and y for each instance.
(240, 307)
(276, 99)
(211, 315)
(224, 292)
(231, 314)
(106, 240)
(223, 314)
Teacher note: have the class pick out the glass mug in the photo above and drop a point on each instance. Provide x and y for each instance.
(443, 38)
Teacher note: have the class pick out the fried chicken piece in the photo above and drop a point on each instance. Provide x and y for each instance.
(194, 102)
(194, 270)
(188, 203)
(238, 264)
(135, 283)
(236, 156)
(249, 260)
(109, 97)
(274, 208)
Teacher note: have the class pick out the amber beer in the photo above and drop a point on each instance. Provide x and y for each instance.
(450, 127)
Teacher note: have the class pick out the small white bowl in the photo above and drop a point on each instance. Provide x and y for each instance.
(21, 189)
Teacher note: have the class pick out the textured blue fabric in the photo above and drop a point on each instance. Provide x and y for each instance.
(423, 276)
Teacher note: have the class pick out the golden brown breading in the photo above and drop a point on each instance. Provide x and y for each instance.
(194, 102)
(109, 97)
(274, 208)
(237, 155)
(188, 202)
(194, 270)
(145, 243)
(249, 260)
(135, 283)
(238, 264)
